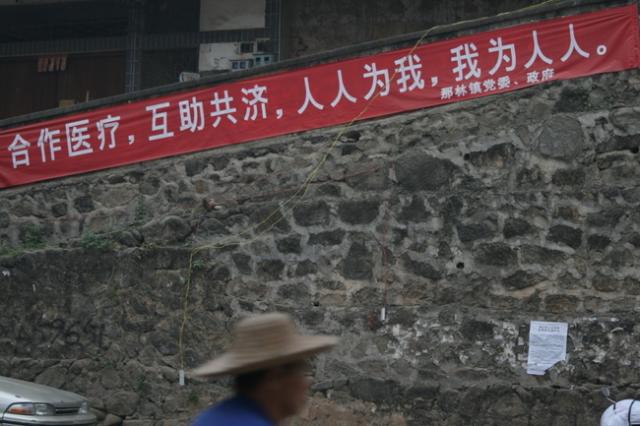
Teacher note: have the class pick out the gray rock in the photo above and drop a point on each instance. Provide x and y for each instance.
(371, 178)
(138, 423)
(514, 227)
(571, 177)
(496, 254)
(269, 218)
(561, 303)
(310, 214)
(58, 210)
(572, 99)
(298, 293)
(620, 143)
(358, 212)
(598, 242)
(520, 280)
(150, 186)
(328, 190)
(566, 235)
(568, 213)
(498, 156)
(130, 238)
(327, 238)
(414, 212)
(84, 204)
(110, 379)
(475, 330)
(605, 284)
(358, 263)
(474, 231)
(195, 166)
(609, 217)
(562, 138)
(212, 226)
(634, 239)
(417, 171)
(376, 390)
(289, 245)
(242, 262)
(306, 267)
(54, 377)
(162, 344)
(541, 255)
(112, 420)
(626, 119)
(219, 163)
(270, 270)
(421, 269)
(170, 229)
(122, 403)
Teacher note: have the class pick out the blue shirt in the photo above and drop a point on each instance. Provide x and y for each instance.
(237, 411)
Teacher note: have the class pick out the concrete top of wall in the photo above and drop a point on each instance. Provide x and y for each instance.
(543, 10)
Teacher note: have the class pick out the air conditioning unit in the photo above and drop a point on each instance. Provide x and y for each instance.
(233, 56)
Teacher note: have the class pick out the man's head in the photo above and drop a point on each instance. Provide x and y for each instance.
(282, 388)
(268, 359)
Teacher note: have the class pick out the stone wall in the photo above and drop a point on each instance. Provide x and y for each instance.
(469, 220)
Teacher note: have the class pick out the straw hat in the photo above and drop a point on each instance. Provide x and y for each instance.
(264, 341)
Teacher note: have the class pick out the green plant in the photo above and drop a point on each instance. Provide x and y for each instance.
(6, 250)
(142, 387)
(193, 398)
(33, 237)
(198, 264)
(96, 241)
(109, 364)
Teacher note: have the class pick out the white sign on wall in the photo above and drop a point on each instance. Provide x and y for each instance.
(547, 346)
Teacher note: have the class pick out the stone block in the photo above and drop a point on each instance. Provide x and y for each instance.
(121, 403)
(562, 138)
(520, 280)
(598, 242)
(496, 157)
(358, 212)
(358, 263)
(421, 269)
(289, 245)
(572, 99)
(568, 177)
(312, 214)
(415, 211)
(496, 254)
(565, 235)
(417, 171)
(84, 204)
(327, 238)
(270, 270)
(515, 227)
(306, 267)
(474, 231)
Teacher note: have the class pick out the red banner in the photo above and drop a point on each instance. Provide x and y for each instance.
(320, 96)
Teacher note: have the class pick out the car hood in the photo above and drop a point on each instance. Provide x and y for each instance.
(21, 391)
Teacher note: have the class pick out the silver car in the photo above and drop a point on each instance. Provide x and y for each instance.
(25, 403)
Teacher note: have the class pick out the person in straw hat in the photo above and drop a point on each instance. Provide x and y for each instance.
(267, 358)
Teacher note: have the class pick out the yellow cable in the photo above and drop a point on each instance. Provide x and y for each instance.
(302, 190)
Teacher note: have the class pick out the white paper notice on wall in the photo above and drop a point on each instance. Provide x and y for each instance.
(547, 346)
